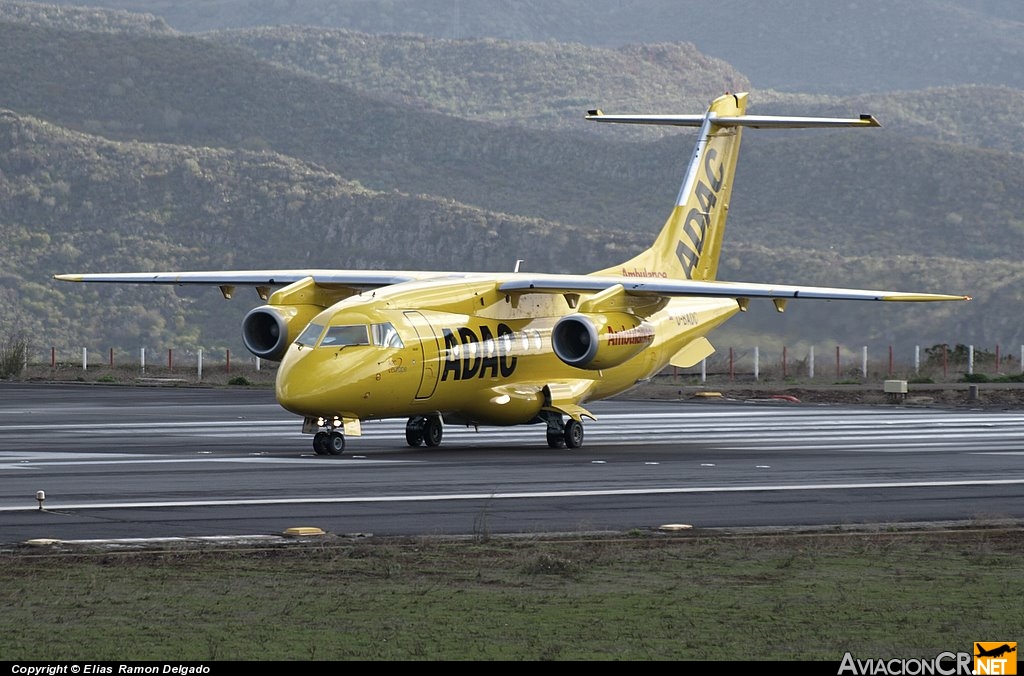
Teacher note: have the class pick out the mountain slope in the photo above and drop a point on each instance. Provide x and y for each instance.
(802, 45)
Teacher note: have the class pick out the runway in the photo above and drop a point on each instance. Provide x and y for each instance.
(137, 462)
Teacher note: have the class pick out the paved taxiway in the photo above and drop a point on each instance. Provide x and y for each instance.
(119, 462)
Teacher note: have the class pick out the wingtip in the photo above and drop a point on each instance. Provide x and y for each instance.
(921, 297)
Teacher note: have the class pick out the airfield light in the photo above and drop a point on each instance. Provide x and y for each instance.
(40, 497)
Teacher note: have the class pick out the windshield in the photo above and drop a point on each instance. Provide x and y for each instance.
(309, 335)
(340, 336)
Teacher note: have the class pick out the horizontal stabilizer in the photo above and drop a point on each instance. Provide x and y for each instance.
(755, 121)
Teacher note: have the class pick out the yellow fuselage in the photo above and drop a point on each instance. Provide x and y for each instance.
(471, 353)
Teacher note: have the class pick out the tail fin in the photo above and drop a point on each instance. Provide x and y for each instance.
(689, 244)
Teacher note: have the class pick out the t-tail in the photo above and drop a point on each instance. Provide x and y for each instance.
(690, 243)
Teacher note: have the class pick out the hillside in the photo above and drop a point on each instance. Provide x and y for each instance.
(797, 46)
(130, 146)
(85, 203)
(75, 202)
(534, 84)
(191, 92)
(547, 85)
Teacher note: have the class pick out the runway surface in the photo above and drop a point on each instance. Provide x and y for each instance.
(134, 462)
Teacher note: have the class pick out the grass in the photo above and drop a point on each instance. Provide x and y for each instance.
(646, 596)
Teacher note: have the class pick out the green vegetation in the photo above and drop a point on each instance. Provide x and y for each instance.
(128, 146)
(985, 378)
(635, 597)
(14, 354)
(483, 79)
(800, 45)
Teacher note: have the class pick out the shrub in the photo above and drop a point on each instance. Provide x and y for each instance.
(14, 351)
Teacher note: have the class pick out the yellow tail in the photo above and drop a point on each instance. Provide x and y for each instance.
(690, 243)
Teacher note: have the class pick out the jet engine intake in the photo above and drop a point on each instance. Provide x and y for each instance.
(600, 340)
(268, 330)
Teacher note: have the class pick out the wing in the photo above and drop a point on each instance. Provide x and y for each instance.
(516, 283)
(712, 289)
(353, 278)
(345, 281)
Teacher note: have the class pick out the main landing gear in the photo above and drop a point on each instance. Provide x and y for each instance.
(564, 435)
(427, 430)
(329, 443)
(424, 430)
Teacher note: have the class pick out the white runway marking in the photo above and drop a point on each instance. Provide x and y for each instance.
(815, 429)
(513, 496)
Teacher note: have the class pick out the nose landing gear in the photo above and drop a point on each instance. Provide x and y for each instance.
(329, 443)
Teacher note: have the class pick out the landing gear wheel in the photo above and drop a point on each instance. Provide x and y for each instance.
(556, 439)
(573, 433)
(335, 443)
(432, 431)
(320, 443)
(414, 431)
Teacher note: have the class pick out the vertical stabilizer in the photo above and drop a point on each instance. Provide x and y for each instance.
(690, 243)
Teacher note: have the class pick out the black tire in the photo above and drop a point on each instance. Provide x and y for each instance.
(414, 431)
(573, 434)
(336, 443)
(556, 439)
(433, 430)
(320, 443)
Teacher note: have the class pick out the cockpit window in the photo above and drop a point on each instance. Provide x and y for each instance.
(385, 335)
(309, 335)
(340, 336)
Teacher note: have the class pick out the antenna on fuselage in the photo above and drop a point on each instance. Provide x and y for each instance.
(519, 261)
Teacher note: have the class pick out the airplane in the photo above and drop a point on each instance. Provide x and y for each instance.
(995, 652)
(463, 348)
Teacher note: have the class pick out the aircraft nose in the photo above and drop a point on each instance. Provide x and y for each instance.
(296, 387)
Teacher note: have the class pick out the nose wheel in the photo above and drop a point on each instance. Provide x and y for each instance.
(329, 443)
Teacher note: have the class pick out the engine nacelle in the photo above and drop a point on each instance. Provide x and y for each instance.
(600, 340)
(268, 330)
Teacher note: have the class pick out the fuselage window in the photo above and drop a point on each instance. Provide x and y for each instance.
(536, 339)
(385, 335)
(309, 335)
(340, 336)
(526, 341)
